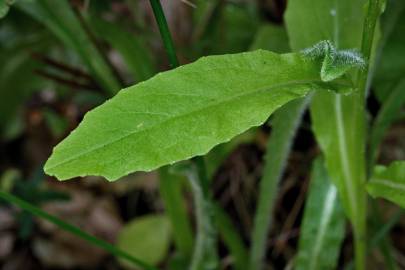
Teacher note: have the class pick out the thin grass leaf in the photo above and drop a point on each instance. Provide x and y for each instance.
(323, 226)
(59, 17)
(74, 230)
(389, 182)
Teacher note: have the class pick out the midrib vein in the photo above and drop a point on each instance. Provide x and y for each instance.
(229, 100)
(344, 156)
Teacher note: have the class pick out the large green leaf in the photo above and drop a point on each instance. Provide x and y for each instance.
(59, 17)
(338, 120)
(323, 226)
(182, 113)
(389, 182)
(147, 237)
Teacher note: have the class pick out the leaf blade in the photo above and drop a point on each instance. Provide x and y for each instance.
(225, 89)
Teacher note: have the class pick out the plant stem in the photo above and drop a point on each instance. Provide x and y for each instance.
(205, 246)
(204, 256)
(170, 188)
(360, 226)
(370, 22)
(164, 32)
(74, 230)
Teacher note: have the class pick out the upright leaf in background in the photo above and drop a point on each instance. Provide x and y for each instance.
(59, 17)
(182, 113)
(389, 82)
(271, 37)
(132, 49)
(323, 225)
(389, 182)
(338, 120)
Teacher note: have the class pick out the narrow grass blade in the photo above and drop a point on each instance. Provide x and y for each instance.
(231, 238)
(59, 17)
(323, 225)
(74, 230)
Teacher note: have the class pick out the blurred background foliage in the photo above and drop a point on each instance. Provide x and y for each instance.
(59, 59)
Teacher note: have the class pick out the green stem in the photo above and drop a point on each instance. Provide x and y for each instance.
(205, 256)
(170, 188)
(360, 227)
(75, 230)
(370, 22)
(164, 32)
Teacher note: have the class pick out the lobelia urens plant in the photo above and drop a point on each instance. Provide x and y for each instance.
(183, 113)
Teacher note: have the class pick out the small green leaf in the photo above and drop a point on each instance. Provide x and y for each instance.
(323, 227)
(182, 113)
(147, 237)
(389, 182)
(334, 63)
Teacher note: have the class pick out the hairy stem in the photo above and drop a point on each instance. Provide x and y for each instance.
(74, 230)
(204, 256)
